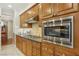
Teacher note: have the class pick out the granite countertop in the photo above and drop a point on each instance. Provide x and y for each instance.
(31, 37)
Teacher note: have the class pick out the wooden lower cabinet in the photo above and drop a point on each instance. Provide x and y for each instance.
(29, 48)
(60, 51)
(47, 49)
(36, 48)
(19, 43)
(33, 48)
(64, 53)
(25, 46)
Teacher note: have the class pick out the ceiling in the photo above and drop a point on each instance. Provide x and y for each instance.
(15, 6)
(8, 13)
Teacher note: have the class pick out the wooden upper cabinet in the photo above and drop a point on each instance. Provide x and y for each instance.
(45, 10)
(64, 8)
(22, 18)
(35, 10)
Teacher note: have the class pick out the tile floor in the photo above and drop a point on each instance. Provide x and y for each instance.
(10, 50)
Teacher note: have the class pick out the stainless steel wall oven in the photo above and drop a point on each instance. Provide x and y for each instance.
(59, 31)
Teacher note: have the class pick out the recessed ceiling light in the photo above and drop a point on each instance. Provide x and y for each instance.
(10, 6)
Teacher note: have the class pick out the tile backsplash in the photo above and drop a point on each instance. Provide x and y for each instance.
(24, 31)
(36, 30)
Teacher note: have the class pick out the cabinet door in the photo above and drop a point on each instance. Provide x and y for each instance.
(58, 51)
(64, 8)
(47, 49)
(36, 48)
(17, 41)
(45, 10)
(25, 46)
(61, 51)
(44, 49)
(50, 49)
(29, 48)
(22, 20)
(35, 10)
(21, 44)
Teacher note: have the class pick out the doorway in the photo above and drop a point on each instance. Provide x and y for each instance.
(4, 35)
(7, 33)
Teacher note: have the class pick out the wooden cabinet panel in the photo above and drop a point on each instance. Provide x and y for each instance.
(35, 10)
(21, 44)
(29, 48)
(47, 49)
(50, 49)
(60, 51)
(22, 20)
(64, 53)
(45, 10)
(36, 48)
(32, 12)
(25, 16)
(64, 8)
(25, 46)
(44, 50)
(17, 41)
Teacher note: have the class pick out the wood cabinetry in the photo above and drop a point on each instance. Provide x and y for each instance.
(45, 10)
(24, 46)
(49, 10)
(47, 49)
(60, 51)
(19, 43)
(36, 48)
(23, 19)
(29, 48)
(64, 8)
(32, 12)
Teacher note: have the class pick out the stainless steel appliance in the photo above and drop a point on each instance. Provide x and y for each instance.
(59, 31)
(32, 19)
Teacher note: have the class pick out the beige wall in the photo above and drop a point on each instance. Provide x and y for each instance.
(36, 30)
(10, 29)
